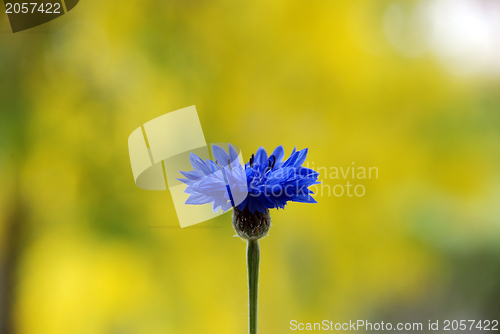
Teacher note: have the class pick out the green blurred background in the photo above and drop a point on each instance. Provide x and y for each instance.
(409, 87)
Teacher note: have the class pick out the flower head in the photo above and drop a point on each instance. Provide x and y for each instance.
(263, 183)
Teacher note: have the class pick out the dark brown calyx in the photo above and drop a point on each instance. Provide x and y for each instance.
(251, 225)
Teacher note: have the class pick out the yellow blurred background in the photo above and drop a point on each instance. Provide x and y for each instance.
(409, 87)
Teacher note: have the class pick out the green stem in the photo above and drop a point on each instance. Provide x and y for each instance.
(253, 259)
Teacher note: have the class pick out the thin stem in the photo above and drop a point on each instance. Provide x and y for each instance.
(253, 259)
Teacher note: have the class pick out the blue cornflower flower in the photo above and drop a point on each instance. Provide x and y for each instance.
(262, 183)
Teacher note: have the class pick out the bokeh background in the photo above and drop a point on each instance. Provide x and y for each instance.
(409, 87)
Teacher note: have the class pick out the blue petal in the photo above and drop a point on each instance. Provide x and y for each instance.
(279, 153)
(291, 160)
(211, 166)
(227, 207)
(233, 155)
(198, 199)
(198, 164)
(304, 198)
(255, 205)
(307, 172)
(261, 156)
(220, 155)
(186, 181)
(243, 204)
(219, 202)
(193, 175)
(301, 157)
(279, 175)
